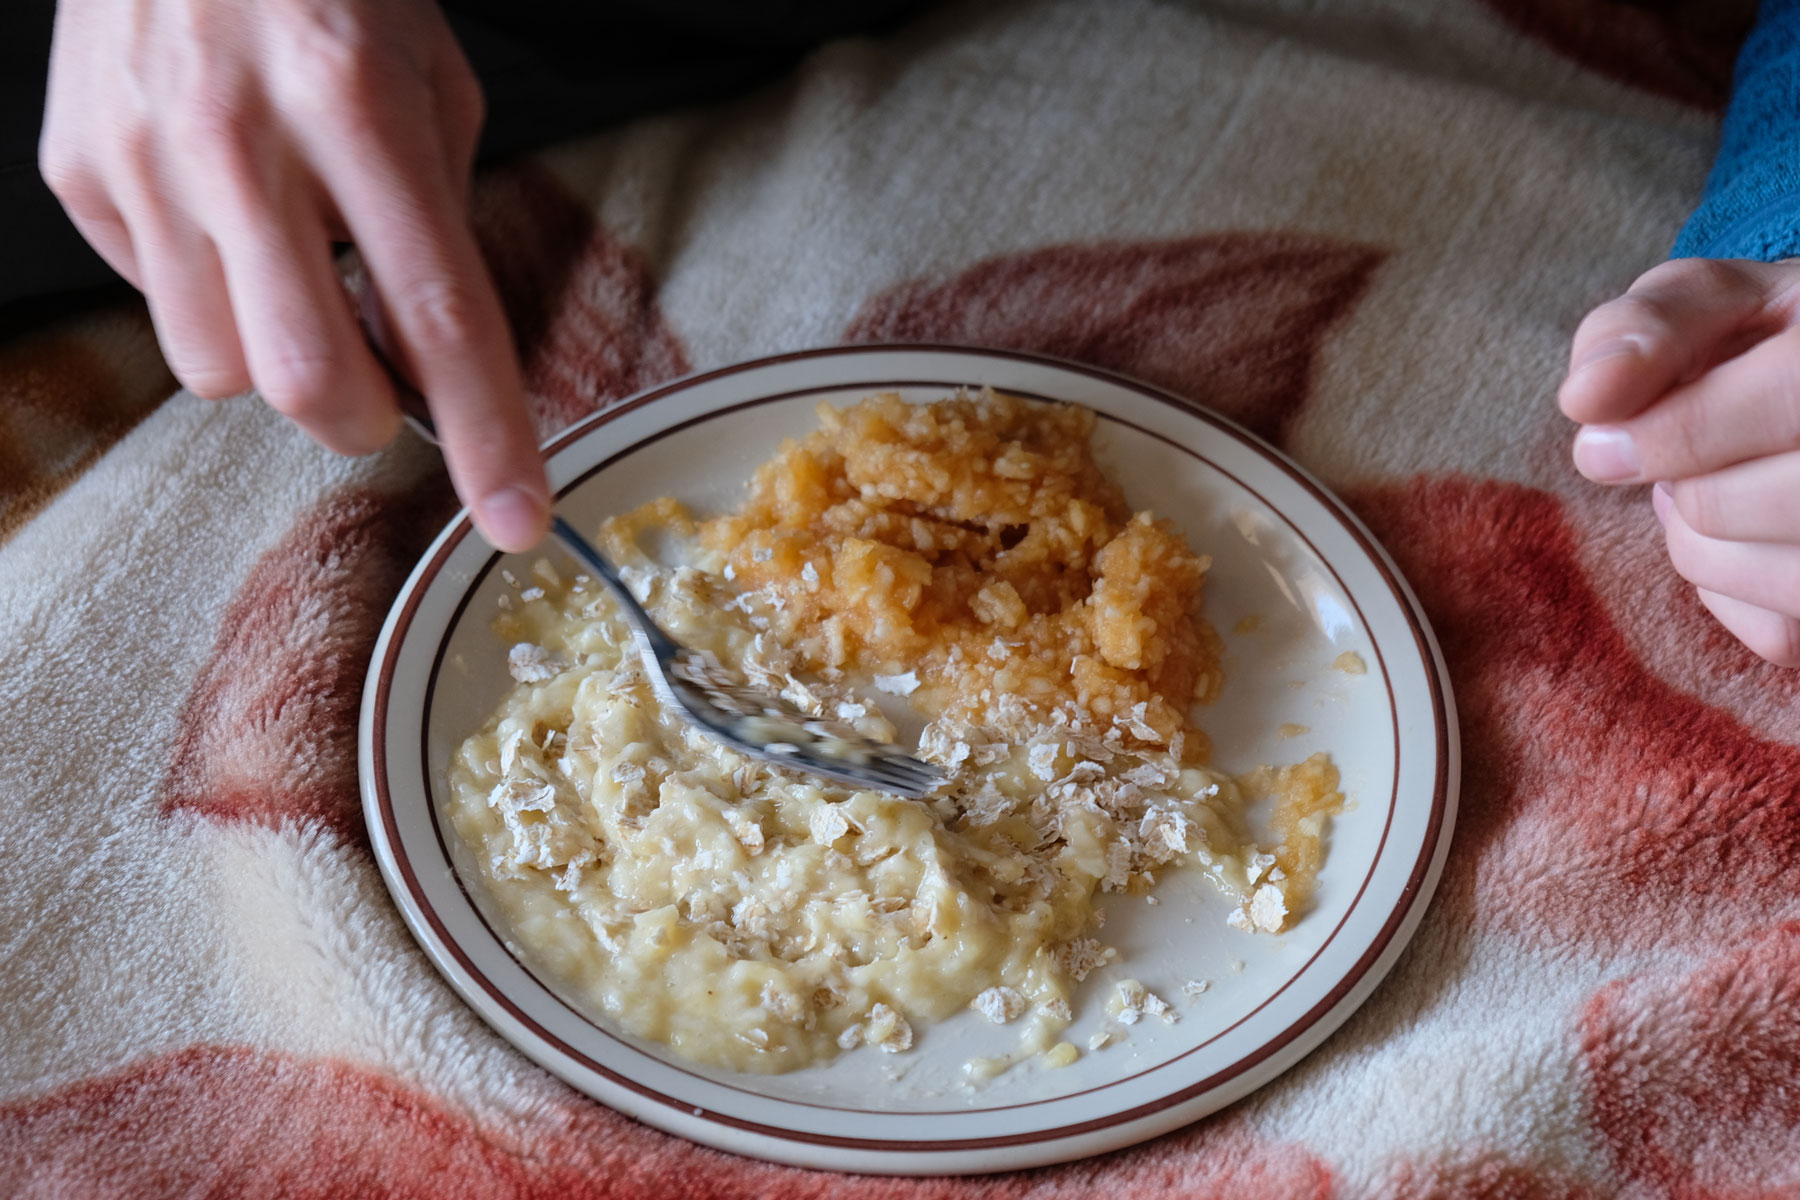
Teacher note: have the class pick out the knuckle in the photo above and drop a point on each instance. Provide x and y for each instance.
(1768, 634)
(1697, 276)
(65, 170)
(1782, 413)
(335, 71)
(1641, 312)
(1643, 319)
(1663, 273)
(77, 170)
(1780, 644)
(220, 137)
(209, 381)
(1603, 318)
(215, 126)
(440, 316)
(361, 117)
(468, 117)
(83, 196)
(1687, 555)
(463, 88)
(134, 152)
(1703, 509)
(475, 100)
(1784, 647)
(1674, 438)
(373, 430)
(299, 386)
(324, 68)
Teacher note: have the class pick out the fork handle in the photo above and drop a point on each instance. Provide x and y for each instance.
(650, 637)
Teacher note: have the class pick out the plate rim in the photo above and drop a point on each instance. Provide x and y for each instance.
(1263, 1062)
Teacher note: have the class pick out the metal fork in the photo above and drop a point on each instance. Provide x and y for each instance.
(750, 721)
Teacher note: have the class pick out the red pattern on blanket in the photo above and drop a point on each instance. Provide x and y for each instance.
(1682, 49)
(1469, 1177)
(1232, 321)
(582, 302)
(1696, 1078)
(234, 1121)
(1600, 806)
(268, 734)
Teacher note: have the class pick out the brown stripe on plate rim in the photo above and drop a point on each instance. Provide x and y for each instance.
(586, 1018)
(1161, 1103)
(1339, 989)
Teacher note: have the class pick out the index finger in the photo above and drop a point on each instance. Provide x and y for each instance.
(1745, 409)
(1674, 322)
(398, 197)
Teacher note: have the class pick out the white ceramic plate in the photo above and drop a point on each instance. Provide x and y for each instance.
(1285, 552)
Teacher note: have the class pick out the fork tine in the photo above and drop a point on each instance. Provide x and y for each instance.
(913, 780)
(886, 774)
(920, 775)
(885, 768)
(892, 781)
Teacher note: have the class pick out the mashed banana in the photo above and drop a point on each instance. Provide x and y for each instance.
(969, 556)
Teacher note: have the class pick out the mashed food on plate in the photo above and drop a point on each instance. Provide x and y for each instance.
(964, 564)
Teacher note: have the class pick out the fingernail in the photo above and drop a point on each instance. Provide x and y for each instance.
(512, 519)
(1617, 348)
(1661, 500)
(1605, 454)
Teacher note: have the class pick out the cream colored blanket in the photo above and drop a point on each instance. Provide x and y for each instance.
(1365, 228)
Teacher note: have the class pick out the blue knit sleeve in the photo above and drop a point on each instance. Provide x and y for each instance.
(1751, 206)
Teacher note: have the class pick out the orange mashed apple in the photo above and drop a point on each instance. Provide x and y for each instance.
(964, 560)
(975, 543)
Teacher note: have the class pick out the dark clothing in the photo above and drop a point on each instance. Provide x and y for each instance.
(40, 251)
(550, 69)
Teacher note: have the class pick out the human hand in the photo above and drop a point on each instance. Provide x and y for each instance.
(1691, 381)
(212, 151)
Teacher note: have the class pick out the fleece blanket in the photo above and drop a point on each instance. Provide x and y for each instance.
(1365, 228)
